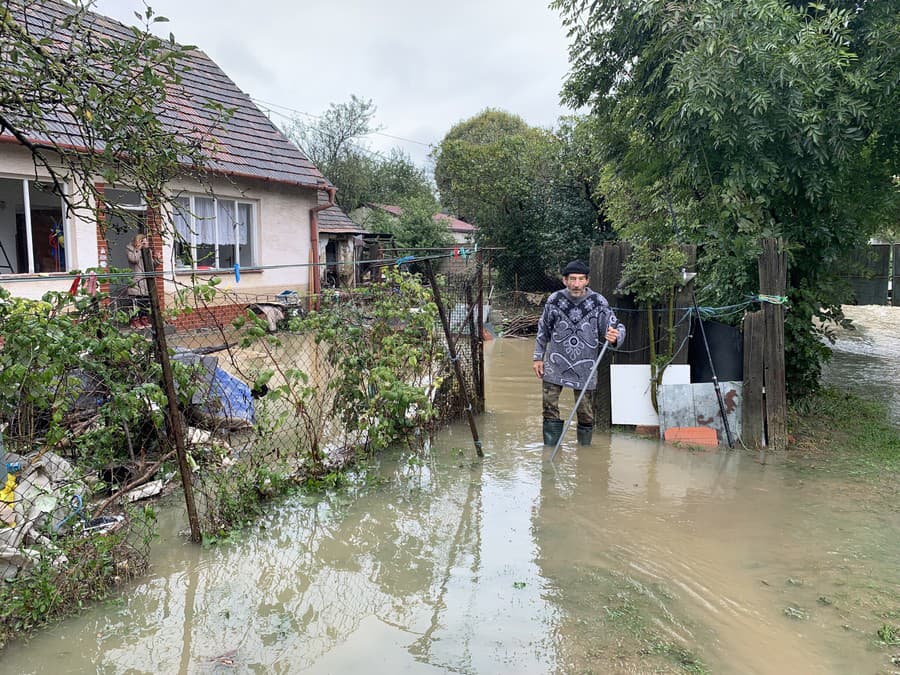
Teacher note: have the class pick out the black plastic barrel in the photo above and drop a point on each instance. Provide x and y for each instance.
(726, 345)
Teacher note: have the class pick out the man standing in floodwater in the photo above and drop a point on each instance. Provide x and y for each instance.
(568, 342)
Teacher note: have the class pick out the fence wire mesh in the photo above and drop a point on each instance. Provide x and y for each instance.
(298, 387)
(289, 388)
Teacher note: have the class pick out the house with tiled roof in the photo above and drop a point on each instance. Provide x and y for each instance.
(342, 245)
(462, 232)
(259, 207)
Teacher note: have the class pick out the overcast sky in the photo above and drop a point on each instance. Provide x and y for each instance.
(425, 64)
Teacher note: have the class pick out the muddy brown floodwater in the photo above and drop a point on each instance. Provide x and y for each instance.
(626, 557)
(867, 357)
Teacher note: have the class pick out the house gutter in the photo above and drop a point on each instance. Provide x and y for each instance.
(315, 282)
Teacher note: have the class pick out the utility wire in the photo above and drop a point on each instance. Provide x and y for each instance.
(356, 146)
(267, 104)
(222, 271)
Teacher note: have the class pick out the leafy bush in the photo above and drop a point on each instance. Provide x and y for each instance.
(71, 381)
(385, 353)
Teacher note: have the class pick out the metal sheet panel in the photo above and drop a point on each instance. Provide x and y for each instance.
(696, 405)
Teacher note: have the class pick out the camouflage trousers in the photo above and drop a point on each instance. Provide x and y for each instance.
(551, 394)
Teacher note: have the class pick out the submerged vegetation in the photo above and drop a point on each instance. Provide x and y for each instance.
(837, 433)
(348, 380)
(631, 627)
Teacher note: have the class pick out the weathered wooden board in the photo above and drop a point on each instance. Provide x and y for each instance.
(753, 417)
(772, 280)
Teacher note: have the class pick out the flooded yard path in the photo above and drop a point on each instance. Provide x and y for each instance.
(868, 355)
(629, 556)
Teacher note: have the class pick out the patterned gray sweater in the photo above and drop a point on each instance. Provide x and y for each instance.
(570, 335)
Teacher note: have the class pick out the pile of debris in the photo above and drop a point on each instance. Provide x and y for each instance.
(43, 497)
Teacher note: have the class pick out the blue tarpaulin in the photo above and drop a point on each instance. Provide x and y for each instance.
(229, 400)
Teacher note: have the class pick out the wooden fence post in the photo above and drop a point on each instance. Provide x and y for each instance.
(895, 282)
(175, 427)
(772, 281)
(753, 401)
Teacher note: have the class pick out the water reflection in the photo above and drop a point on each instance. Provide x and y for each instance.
(611, 559)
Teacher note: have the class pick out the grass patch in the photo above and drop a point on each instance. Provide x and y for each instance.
(615, 623)
(841, 432)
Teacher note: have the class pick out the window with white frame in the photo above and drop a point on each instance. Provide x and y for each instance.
(32, 227)
(214, 233)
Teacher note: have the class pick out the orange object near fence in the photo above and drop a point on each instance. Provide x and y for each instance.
(692, 436)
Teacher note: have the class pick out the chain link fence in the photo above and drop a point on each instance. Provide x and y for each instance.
(290, 390)
(81, 427)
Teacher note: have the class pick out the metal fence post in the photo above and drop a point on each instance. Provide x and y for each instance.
(454, 358)
(176, 430)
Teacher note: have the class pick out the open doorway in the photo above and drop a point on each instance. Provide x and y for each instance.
(126, 218)
(331, 267)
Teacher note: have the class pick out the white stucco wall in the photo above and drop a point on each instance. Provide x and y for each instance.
(281, 234)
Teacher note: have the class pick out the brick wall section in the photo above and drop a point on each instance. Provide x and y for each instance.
(210, 317)
(102, 244)
(153, 226)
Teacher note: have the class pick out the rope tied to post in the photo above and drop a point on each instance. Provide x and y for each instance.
(772, 299)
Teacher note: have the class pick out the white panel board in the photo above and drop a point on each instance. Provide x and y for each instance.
(630, 390)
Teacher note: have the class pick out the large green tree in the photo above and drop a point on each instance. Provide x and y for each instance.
(518, 186)
(395, 178)
(751, 118)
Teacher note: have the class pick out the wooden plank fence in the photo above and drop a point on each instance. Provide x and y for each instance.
(764, 414)
(606, 265)
(753, 418)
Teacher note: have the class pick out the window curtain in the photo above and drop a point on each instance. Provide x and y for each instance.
(245, 217)
(182, 217)
(205, 214)
(226, 222)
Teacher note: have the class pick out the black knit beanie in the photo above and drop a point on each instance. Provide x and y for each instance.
(576, 267)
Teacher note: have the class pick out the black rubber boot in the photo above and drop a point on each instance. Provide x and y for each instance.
(585, 433)
(552, 431)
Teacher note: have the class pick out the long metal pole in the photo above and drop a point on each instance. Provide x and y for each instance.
(712, 369)
(578, 400)
(479, 260)
(175, 428)
(451, 347)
